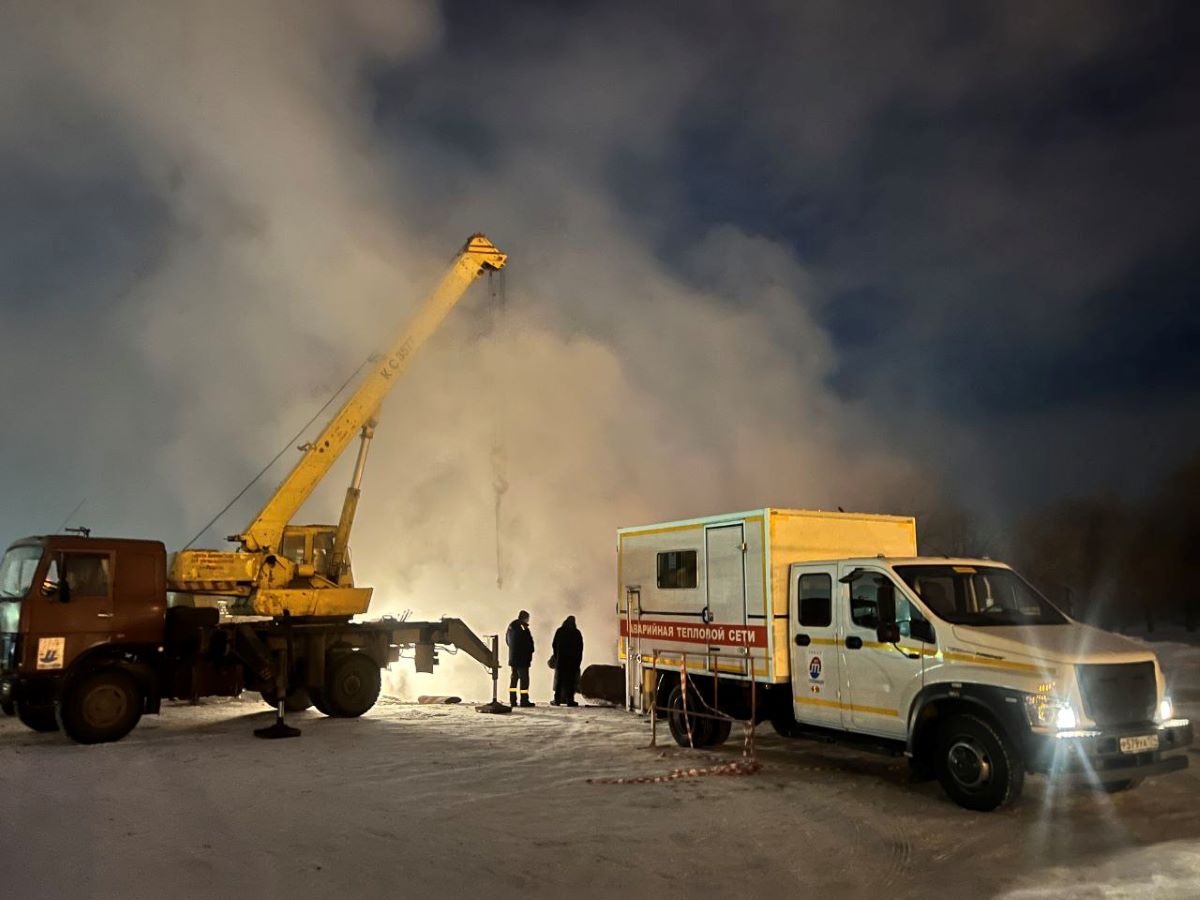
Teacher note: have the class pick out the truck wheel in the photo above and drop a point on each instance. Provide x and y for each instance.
(976, 764)
(678, 721)
(719, 733)
(39, 718)
(318, 700)
(8, 707)
(100, 707)
(298, 700)
(351, 685)
(784, 722)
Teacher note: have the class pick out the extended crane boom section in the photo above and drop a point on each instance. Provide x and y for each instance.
(305, 570)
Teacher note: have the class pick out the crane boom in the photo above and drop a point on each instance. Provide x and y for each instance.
(267, 527)
(304, 570)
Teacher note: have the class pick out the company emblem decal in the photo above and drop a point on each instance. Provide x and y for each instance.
(814, 668)
(50, 652)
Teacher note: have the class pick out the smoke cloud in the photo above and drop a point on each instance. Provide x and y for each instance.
(216, 211)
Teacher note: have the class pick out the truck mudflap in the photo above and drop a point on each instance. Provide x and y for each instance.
(1111, 755)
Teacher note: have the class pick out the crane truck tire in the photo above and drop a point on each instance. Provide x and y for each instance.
(352, 685)
(977, 765)
(318, 699)
(100, 706)
(8, 707)
(37, 718)
(678, 720)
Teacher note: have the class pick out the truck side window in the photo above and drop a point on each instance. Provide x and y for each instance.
(866, 588)
(86, 573)
(677, 569)
(815, 594)
(50, 582)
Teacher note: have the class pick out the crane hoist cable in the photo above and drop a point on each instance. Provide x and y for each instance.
(287, 446)
(499, 455)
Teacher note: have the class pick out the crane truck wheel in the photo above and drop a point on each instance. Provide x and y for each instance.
(8, 707)
(318, 700)
(351, 685)
(976, 764)
(298, 700)
(678, 720)
(101, 706)
(38, 718)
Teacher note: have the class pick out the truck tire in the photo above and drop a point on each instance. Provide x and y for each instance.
(977, 765)
(318, 699)
(351, 685)
(37, 718)
(100, 706)
(719, 733)
(8, 707)
(783, 720)
(298, 700)
(678, 721)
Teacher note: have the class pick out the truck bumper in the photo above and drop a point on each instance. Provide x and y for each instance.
(1096, 757)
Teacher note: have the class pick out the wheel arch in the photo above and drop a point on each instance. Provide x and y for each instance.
(135, 661)
(934, 703)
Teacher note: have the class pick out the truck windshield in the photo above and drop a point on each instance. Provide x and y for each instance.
(979, 595)
(16, 571)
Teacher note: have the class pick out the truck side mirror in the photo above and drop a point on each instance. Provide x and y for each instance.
(886, 605)
(887, 633)
(922, 631)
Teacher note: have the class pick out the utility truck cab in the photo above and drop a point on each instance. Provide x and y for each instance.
(958, 663)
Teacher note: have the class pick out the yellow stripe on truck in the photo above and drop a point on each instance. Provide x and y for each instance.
(834, 704)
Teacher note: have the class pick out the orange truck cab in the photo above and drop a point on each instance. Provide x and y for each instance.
(84, 634)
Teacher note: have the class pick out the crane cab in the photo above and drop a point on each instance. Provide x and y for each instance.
(310, 549)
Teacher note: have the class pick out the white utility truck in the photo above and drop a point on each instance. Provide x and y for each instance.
(830, 626)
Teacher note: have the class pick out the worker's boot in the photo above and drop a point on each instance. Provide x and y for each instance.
(512, 698)
(525, 701)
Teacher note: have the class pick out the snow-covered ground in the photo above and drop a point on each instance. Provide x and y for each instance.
(430, 801)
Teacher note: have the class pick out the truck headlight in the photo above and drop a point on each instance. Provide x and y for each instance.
(1166, 710)
(1050, 712)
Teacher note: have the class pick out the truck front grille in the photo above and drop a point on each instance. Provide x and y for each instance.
(1118, 693)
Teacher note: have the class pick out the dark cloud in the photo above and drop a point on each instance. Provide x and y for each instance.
(808, 254)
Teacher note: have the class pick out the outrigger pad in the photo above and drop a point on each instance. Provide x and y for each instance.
(277, 731)
(500, 709)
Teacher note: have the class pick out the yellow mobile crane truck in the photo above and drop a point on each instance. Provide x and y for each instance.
(89, 642)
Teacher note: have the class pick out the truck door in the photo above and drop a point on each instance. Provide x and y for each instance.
(816, 686)
(68, 621)
(725, 574)
(878, 680)
(633, 650)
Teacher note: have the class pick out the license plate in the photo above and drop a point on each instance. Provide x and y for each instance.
(1139, 744)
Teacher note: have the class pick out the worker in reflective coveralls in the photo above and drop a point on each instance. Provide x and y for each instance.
(520, 655)
(568, 657)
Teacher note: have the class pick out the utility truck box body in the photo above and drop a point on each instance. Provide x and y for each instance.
(719, 585)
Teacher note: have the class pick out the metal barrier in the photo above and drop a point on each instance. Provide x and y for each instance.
(714, 712)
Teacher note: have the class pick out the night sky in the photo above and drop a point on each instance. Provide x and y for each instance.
(960, 239)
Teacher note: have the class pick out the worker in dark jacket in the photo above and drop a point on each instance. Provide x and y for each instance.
(568, 657)
(520, 655)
